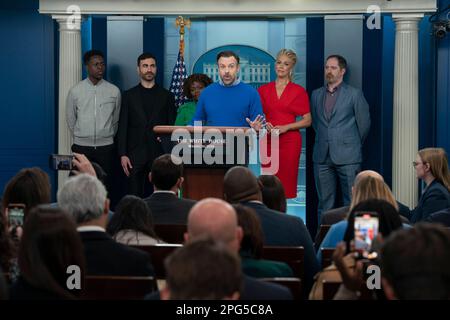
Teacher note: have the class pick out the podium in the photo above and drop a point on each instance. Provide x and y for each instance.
(207, 154)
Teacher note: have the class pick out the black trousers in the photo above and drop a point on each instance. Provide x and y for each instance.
(103, 156)
(138, 182)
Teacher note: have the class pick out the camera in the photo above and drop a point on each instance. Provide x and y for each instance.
(61, 162)
(441, 23)
(441, 28)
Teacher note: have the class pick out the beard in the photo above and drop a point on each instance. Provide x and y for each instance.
(148, 76)
(330, 78)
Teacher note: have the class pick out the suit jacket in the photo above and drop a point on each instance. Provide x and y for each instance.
(23, 290)
(135, 137)
(104, 256)
(281, 229)
(442, 217)
(252, 289)
(436, 197)
(169, 209)
(344, 133)
(334, 215)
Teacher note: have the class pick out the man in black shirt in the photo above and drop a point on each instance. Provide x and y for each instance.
(143, 107)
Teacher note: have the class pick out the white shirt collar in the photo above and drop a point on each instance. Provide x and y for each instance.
(165, 191)
(94, 85)
(235, 83)
(90, 228)
(256, 201)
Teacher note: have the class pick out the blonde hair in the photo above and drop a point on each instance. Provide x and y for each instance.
(369, 187)
(438, 161)
(291, 55)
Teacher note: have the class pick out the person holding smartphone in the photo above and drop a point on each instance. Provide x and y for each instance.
(387, 221)
(27, 189)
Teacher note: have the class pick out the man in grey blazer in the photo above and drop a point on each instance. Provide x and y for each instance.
(341, 121)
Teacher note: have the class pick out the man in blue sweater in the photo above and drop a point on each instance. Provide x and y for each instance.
(229, 102)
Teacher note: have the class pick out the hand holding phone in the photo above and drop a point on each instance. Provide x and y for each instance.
(61, 162)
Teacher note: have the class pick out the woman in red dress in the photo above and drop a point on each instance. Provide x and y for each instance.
(283, 101)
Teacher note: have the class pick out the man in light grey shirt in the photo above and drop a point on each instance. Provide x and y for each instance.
(92, 114)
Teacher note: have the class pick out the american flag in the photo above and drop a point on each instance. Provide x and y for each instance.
(178, 77)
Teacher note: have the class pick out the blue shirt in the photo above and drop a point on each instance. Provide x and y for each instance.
(336, 235)
(228, 106)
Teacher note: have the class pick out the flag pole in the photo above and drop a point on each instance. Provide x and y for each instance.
(179, 74)
(181, 23)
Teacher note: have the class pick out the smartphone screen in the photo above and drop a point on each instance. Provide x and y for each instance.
(366, 229)
(61, 162)
(15, 215)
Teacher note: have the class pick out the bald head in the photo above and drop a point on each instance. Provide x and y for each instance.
(217, 219)
(367, 173)
(240, 184)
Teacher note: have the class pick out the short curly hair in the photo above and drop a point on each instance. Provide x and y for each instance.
(196, 77)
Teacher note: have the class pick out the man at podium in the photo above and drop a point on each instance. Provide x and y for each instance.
(230, 102)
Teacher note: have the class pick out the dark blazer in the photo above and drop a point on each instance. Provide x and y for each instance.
(334, 215)
(442, 217)
(104, 256)
(169, 209)
(252, 289)
(281, 229)
(436, 197)
(22, 290)
(135, 137)
(343, 134)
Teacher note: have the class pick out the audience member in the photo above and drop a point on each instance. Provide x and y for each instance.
(167, 179)
(252, 248)
(132, 223)
(388, 218)
(415, 264)
(49, 245)
(82, 164)
(217, 219)
(241, 186)
(366, 187)
(338, 214)
(30, 187)
(432, 168)
(442, 217)
(389, 221)
(192, 272)
(27, 189)
(84, 197)
(272, 190)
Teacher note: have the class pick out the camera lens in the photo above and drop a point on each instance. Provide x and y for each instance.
(440, 30)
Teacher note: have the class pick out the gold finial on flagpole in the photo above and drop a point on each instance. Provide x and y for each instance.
(181, 23)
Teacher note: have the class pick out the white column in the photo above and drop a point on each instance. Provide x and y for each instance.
(406, 108)
(69, 75)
